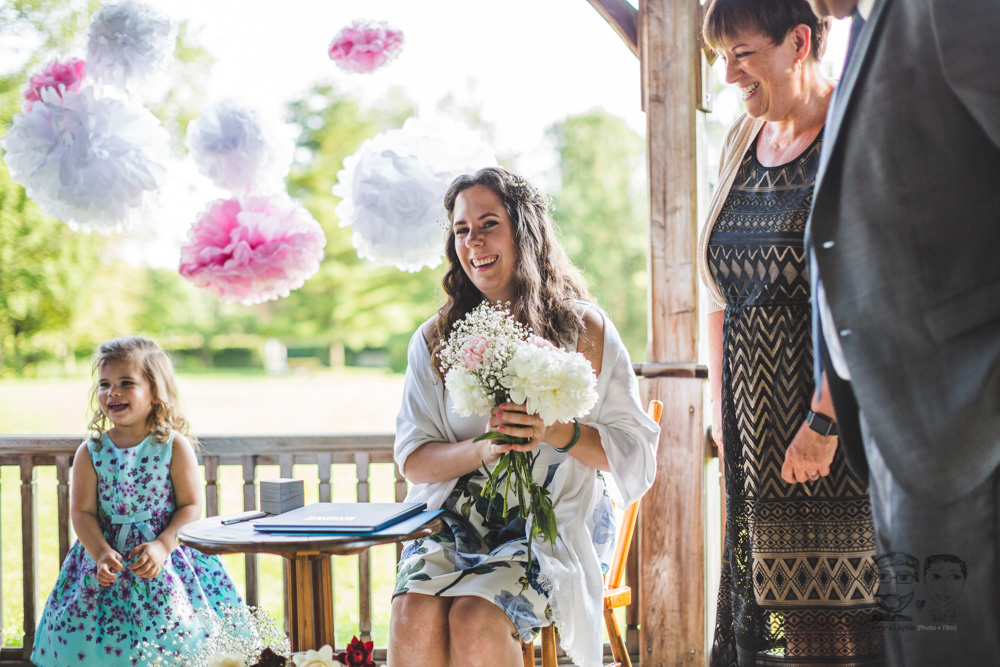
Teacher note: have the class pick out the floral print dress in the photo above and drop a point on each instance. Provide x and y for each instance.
(85, 623)
(488, 557)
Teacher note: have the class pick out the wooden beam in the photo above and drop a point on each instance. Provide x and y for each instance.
(672, 531)
(623, 17)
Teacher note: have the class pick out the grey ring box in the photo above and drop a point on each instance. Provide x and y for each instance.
(281, 495)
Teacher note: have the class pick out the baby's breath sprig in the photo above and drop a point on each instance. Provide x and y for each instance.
(244, 631)
(488, 359)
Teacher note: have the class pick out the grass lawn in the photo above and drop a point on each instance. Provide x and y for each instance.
(347, 401)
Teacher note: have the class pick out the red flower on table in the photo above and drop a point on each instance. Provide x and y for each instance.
(269, 658)
(357, 654)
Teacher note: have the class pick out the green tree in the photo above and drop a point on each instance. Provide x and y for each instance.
(61, 289)
(350, 302)
(601, 211)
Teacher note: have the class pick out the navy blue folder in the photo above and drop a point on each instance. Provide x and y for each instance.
(346, 518)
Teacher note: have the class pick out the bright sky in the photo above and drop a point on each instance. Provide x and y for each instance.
(524, 64)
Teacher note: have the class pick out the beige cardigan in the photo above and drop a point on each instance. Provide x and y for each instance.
(740, 136)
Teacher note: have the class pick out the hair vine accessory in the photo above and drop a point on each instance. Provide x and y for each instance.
(443, 224)
(529, 190)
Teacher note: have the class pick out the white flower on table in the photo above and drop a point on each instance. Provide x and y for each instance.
(320, 658)
(227, 660)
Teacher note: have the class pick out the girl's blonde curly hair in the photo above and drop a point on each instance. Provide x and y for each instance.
(154, 364)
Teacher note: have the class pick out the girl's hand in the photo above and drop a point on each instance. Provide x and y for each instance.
(150, 559)
(513, 419)
(108, 563)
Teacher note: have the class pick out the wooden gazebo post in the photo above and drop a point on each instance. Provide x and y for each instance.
(672, 530)
(664, 34)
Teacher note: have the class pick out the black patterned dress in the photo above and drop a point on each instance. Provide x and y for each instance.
(798, 576)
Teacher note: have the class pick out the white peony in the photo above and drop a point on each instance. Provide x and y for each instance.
(320, 658)
(554, 384)
(467, 393)
(226, 660)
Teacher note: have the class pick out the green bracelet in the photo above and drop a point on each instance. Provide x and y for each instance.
(573, 441)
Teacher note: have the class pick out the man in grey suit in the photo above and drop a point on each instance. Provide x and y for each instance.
(905, 233)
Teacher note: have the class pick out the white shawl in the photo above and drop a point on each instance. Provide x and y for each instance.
(570, 568)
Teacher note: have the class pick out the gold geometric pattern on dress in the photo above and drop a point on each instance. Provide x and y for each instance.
(799, 576)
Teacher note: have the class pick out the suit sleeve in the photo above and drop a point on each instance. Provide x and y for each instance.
(969, 50)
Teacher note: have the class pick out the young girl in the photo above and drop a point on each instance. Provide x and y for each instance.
(127, 591)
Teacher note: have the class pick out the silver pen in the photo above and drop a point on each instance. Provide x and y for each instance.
(241, 519)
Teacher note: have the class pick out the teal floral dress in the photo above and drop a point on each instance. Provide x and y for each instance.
(133, 619)
(488, 557)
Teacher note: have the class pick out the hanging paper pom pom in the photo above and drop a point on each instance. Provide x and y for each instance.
(60, 76)
(392, 190)
(252, 249)
(128, 42)
(364, 46)
(86, 160)
(231, 145)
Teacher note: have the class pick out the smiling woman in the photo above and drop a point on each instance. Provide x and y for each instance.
(487, 581)
(484, 242)
(789, 593)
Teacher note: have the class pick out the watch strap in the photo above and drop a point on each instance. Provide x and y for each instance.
(821, 423)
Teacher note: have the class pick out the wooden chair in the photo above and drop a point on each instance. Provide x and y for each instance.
(615, 594)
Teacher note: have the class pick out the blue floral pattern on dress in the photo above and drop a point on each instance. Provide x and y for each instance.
(520, 611)
(476, 555)
(604, 520)
(85, 623)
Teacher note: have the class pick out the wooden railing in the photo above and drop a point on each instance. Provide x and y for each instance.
(30, 453)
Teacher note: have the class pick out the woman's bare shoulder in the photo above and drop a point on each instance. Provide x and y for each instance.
(591, 339)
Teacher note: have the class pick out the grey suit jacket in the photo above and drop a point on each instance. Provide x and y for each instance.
(906, 231)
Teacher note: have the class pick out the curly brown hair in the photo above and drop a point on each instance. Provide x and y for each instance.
(155, 366)
(546, 284)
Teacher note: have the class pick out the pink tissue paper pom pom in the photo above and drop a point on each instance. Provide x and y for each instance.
(364, 46)
(60, 76)
(252, 249)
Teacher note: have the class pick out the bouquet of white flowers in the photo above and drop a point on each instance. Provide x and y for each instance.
(490, 359)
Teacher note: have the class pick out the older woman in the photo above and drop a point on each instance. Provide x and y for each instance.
(798, 577)
(467, 595)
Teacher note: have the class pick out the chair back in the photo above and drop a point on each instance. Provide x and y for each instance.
(624, 538)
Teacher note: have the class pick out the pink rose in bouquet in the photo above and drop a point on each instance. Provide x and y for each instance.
(474, 351)
(541, 343)
(61, 76)
(364, 46)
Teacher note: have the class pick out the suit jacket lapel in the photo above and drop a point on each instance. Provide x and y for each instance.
(845, 89)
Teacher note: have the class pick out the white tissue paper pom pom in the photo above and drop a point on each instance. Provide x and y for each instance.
(238, 150)
(127, 42)
(86, 160)
(392, 190)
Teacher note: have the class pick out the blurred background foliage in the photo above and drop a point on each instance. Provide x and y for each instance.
(63, 291)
